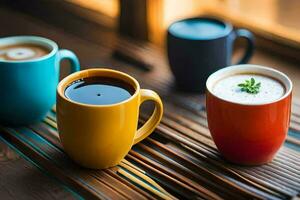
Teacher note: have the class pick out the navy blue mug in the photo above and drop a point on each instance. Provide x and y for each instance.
(199, 46)
(28, 87)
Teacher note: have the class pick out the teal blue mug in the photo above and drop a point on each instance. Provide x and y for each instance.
(28, 87)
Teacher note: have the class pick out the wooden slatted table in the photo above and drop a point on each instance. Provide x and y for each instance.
(179, 160)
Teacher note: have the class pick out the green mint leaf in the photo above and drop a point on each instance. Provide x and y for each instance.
(249, 86)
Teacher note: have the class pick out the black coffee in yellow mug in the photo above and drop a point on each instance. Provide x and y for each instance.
(99, 90)
(98, 134)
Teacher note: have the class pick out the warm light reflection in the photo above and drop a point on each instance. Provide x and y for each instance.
(267, 17)
(272, 17)
(107, 7)
(181, 9)
(164, 12)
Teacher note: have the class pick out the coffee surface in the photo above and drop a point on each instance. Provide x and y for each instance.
(22, 51)
(228, 89)
(99, 91)
(197, 29)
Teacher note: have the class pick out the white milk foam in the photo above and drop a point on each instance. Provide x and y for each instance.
(228, 89)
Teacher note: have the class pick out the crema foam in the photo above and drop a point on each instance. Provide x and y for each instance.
(22, 51)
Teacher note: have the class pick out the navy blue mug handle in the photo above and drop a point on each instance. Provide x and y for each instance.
(69, 55)
(250, 44)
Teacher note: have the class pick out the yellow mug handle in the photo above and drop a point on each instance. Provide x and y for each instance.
(155, 118)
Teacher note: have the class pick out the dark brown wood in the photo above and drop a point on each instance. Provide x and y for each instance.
(127, 57)
(44, 133)
(216, 178)
(280, 190)
(59, 165)
(197, 175)
(52, 136)
(21, 178)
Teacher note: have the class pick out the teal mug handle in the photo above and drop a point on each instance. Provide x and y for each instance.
(64, 54)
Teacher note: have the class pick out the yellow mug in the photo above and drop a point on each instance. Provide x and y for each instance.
(100, 136)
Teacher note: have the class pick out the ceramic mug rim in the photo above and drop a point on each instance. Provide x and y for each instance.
(227, 28)
(90, 73)
(250, 68)
(31, 40)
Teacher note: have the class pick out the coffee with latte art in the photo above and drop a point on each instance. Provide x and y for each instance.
(22, 51)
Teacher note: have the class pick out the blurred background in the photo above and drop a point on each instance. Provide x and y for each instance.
(95, 29)
(148, 19)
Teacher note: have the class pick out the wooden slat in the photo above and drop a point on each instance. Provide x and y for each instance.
(51, 135)
(214, 157)
(58, 164)
(280, 190)
(20, 177)
(207, 172)
(206, 178)
(162, 175)
(47, 132)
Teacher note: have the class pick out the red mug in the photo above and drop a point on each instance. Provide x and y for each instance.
(248, 134)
